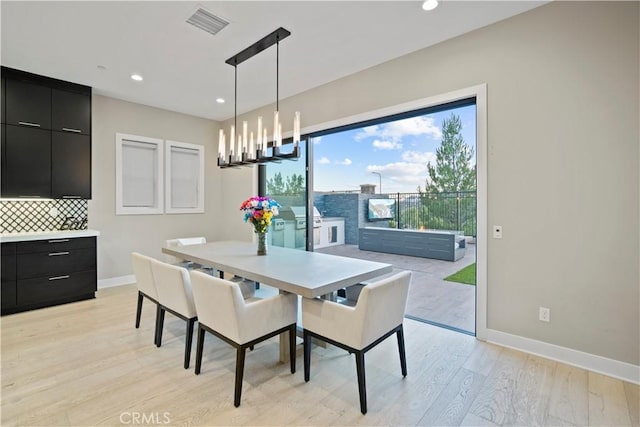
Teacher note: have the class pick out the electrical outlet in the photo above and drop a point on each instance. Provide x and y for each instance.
(545, 314)
(497, 232)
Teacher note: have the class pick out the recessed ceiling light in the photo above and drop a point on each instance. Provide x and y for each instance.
(220, 100)
(430, 4)
(136, 77)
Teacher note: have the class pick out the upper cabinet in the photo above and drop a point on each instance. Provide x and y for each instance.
(46, 144)
(28, 104)
(70, 112)
(70, 166)
(27, 162)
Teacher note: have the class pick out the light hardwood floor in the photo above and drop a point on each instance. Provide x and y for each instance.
(85, 364)
(430, 296)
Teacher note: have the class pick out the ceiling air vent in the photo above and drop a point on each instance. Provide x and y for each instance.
(207, 21)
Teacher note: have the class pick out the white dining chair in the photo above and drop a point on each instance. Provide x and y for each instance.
(377, 315)
(188, 241)
(239, 322)
(175, 296)
(146, 286)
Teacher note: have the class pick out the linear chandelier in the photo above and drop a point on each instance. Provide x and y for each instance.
(243, 149)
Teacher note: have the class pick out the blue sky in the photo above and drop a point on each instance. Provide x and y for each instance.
(398, 150)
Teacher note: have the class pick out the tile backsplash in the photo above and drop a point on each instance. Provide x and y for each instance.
(42, 215)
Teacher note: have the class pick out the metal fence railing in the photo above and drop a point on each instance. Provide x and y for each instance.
(436, 211)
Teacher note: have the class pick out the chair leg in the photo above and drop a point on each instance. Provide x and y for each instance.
(403, 357)
(155, 332)
(239, 374)
(292, 348)
(160, 326)
(139, 309)
(307, 354)
(188, 341)
(199, 348)
(362, 388)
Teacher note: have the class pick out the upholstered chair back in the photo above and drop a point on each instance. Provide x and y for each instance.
(186, 241)
(381, 306)
(144, 276)
(221, 307)
(174, 288)
(218, 304)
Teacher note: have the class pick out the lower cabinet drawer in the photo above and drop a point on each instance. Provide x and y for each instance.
(56, 263)
(43, 289)
(55, 245)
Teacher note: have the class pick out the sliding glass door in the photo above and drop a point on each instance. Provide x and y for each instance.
(410, 178)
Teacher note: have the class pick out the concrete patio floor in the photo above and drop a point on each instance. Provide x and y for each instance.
(430, 297)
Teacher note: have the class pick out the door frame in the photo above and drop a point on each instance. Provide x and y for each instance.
(480, 93)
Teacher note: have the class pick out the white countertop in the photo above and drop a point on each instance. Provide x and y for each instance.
(44, 235)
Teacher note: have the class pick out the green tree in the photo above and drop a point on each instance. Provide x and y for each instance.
(275, 186)
(294, 185)
(452, 170)
(290, 186)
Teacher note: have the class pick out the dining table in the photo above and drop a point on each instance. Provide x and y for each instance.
(305, 273)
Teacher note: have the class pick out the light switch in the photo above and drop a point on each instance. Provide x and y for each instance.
(497, 232)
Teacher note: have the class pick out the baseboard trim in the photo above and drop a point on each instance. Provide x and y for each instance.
(602, 365)
(116, 281)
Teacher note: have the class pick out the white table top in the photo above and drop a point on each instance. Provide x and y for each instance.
(309, 274)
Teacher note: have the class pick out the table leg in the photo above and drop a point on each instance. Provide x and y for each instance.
(284, 347)
(284, 337)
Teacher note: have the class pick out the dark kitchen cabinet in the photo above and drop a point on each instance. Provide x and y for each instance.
(8, 294)
(70, 112)
(3, 167)
(28, 104)
(27, 162)
(70, 166)
(55, 263)
(41, 273)
(57, 164)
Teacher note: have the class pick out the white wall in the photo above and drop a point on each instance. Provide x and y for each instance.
(122, 234)
(563, 161)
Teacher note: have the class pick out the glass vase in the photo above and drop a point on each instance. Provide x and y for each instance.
(262, 243)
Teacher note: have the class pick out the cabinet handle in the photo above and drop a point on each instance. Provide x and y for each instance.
(59, 241)
(72, 130)
(71, 197)
(58, 253)
(29, 124)
(30, 197)
(58, 277)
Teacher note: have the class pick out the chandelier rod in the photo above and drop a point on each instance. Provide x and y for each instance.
(277, 73)
(235, 97)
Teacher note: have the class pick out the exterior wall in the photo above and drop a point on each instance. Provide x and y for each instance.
(344, 205)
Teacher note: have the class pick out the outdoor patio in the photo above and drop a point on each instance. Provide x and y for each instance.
(430, 296)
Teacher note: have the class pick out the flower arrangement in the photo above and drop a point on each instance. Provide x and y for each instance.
(259, 211)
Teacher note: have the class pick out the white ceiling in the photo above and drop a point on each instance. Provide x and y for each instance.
(184, 68)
